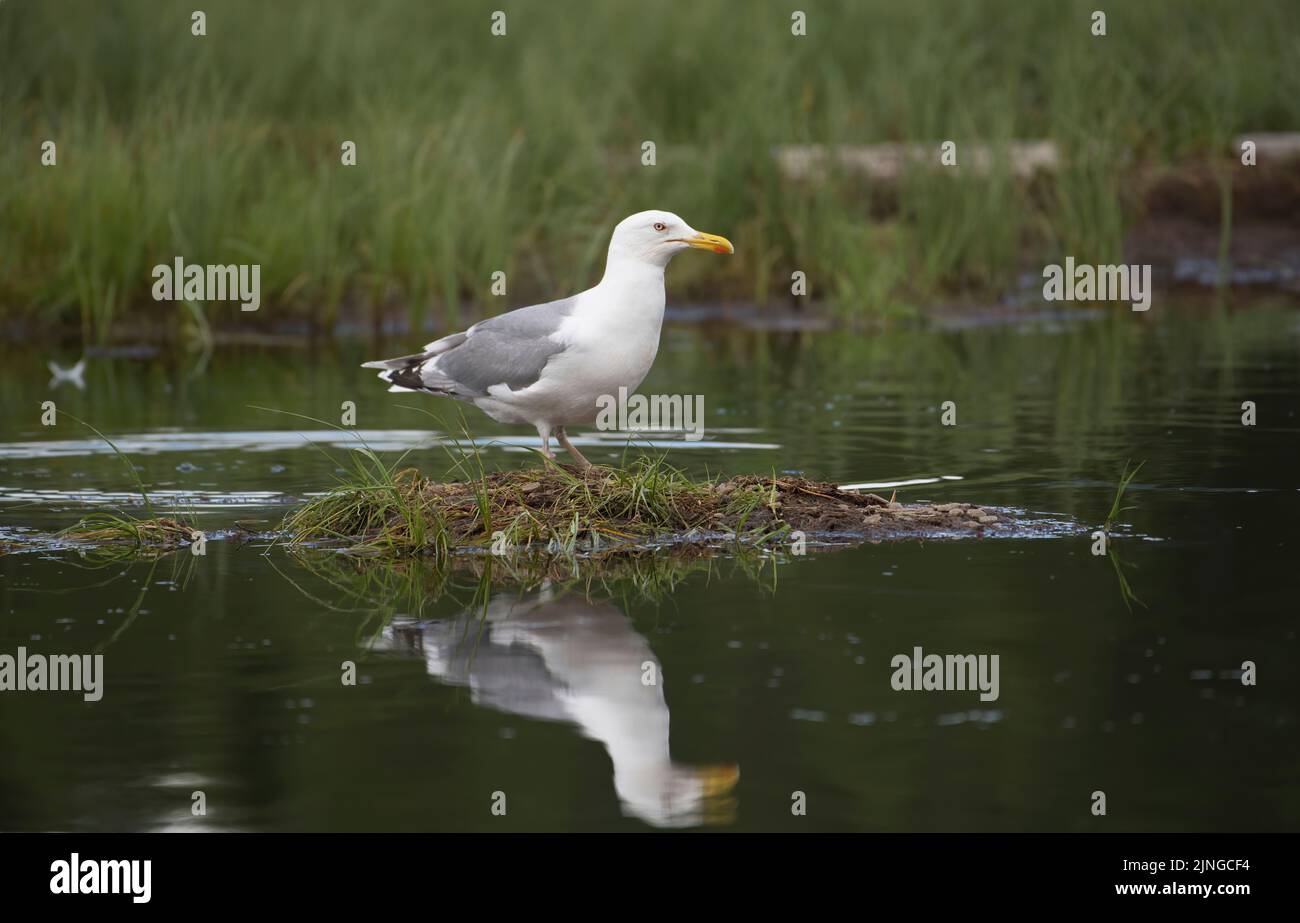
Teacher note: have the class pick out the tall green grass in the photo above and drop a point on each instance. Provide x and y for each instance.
(478, 153)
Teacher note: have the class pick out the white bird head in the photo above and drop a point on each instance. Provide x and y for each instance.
(655, 237)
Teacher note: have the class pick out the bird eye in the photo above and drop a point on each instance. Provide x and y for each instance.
(660, 226)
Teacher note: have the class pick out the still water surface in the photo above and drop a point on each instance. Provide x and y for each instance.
(222, 673)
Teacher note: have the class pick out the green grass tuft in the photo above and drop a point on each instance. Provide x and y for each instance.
(120, 534)
(1117, 506)
(382, 510)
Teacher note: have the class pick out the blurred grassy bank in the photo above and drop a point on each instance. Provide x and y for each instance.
(478, 153)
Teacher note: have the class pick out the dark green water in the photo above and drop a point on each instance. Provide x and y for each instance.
(222, 672)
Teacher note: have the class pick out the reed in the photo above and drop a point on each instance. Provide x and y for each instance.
(478, 154)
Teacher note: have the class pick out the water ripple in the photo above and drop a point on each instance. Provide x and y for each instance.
(380, 440)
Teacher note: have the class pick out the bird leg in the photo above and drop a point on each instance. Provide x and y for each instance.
(545, 433)
(577, 456)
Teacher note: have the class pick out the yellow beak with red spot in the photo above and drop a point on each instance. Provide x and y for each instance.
(702, 241)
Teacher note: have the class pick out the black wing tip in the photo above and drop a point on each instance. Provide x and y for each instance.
(408, 377)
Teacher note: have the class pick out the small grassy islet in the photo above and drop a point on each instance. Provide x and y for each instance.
(604, 508)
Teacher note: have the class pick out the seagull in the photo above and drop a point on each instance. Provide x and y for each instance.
(556, 656)
(548, 364)
(74, 374)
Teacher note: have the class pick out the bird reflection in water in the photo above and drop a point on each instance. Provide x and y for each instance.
(559, 657)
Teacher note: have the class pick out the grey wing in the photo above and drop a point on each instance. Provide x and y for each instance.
(510, 349)
(533, 321)
(488, 359)
(508, 677)
(514, 679)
